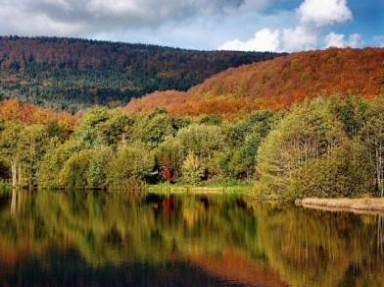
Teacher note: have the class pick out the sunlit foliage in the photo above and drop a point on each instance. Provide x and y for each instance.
(277, 84)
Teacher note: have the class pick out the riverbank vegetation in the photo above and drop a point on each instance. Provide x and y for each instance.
(326, 147)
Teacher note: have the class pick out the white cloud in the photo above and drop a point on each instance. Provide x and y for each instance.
(335, 40)
(114, 7)
(185, 23)
(13, 21)
(103, 16)
(264, 40)
(195, 24)
(339, 40)
(324, 12)
(311, 18)
(299, 39)
(278, 40)
(165, 10)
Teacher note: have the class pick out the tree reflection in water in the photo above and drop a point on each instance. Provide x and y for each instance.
(58, 238)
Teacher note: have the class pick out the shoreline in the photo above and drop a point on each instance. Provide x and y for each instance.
(200, 190)
(355, 205)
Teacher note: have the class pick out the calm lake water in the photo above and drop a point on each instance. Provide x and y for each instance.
(97, 239)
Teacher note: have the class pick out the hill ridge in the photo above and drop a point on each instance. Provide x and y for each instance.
(277, 83)
(74, 73)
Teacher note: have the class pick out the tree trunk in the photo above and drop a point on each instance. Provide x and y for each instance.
(14, 201)
(19, 178)
(14, 174)
(379, 168)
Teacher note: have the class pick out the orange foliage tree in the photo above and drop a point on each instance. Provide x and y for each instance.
(277, 84)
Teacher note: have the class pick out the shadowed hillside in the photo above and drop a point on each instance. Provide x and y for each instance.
(73, 73)
(277, 83)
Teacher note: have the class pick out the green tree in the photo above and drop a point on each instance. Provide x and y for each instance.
(239, 163)
(53, 161)
(242, 140)
(152, 129)
(206, 142)
(131, 163)
(344, 171)
(96, 174)
(307, 132)
(372, 135)
(73, 175)
(172, 150)
(101, 126)
(32, 146)
(202, 140)
(351, 112)
(9, 147)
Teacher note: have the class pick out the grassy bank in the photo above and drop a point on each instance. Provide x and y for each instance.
(214, 188)
(358, 205)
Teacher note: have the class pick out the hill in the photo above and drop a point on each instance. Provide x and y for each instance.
(277, 83)
(73, 73)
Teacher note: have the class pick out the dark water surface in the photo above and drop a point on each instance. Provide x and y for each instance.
(95, 239)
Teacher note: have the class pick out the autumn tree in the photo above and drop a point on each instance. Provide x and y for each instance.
(171, 154)
(192, 169)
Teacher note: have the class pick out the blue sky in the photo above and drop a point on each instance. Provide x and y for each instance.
(257, 25)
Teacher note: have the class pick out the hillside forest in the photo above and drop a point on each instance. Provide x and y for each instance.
(324, 147)
(276, 84)
(72, 74)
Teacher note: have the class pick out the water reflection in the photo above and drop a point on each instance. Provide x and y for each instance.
(98, 239)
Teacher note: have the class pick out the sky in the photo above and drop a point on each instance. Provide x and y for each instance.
(247, 25)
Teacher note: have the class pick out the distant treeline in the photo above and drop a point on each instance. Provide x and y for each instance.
(72, 74)
(325, 147)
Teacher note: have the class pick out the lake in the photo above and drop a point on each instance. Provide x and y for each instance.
(50, 238)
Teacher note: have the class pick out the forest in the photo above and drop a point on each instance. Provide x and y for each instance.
(276, 84)
(326, 147)
(300, 125)
(72, 74)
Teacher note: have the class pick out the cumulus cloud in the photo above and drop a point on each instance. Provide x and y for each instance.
(115, 13)
(311, 17)
(278, 40)
(324, 12)
(339, 40)
(126, 20)
(14, 18)
(264, 40)
(298, 39)
(203, 24)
